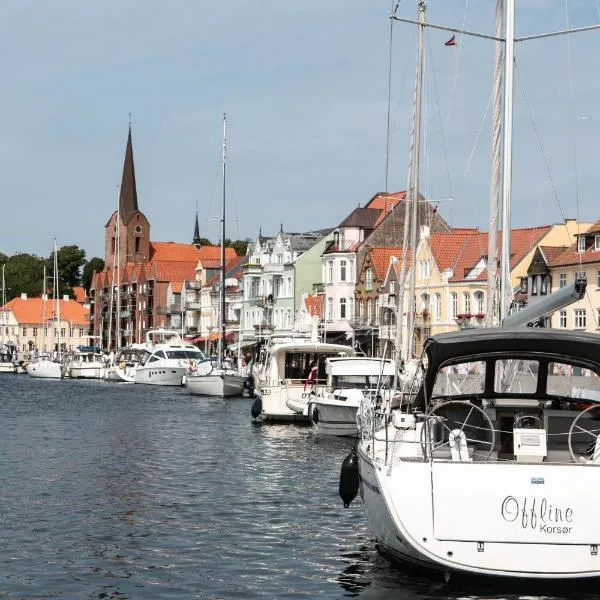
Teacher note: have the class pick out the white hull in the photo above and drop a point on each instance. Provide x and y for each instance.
(86, 372)
(118, 374)
(45, 369)
(284, 403)
(499, 521)
(333, 417)
(159, 375)
(222, 385)
(7, 367)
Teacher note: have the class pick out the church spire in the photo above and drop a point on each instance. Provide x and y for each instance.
(196, 241)
(128, 202)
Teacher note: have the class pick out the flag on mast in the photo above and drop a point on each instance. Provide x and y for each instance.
(451, 41)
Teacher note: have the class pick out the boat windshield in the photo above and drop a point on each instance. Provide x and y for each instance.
(346, 382)
(186, 354)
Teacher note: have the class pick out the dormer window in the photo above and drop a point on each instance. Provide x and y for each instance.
(597, 242)
(581, 243)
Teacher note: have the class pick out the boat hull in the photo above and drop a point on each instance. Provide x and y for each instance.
(277, 401)
(222, 385)
(7, 367)
(333, 417)
(85, 372)
(167, 375)
(45, 370)
(511, 528)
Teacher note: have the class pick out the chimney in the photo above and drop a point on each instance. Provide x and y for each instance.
(23, 296)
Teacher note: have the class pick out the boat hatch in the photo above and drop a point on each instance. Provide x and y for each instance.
(521, 503)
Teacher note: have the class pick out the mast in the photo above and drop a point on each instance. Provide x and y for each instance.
(56, 300)
(413, 191)
(496, 177)
(118, 274)
(3, 307)
(505, 281)
(222, 266)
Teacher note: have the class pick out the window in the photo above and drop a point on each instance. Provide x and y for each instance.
(330, 271)
(369, 279)
(534, 285)
(393, 285)
(580, 318)
(329, 316)
(438, 307)
(524, 284)
(343, 314)
(424, 269)
(597, 242)
(45, 331)
(598, 279)
(581, 243)
(35, 329)
(361, 308)
(425, 304)
(579, 275)
(562, 319)
(598, 317)
(369, 311)
(350, 307)
(343, 270)
(114, 245)
(479, 302)
(545, 285)
(24, 330)
(137, 245)
(466, 302)
(562, 280)
(454, 307)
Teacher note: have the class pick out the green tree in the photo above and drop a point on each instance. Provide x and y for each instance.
(70, 260)
(95, 264)
(24, 274)
(3, 258)
(240, 246)
(205, 242)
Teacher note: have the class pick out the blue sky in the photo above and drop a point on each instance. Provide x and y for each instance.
(305, 89)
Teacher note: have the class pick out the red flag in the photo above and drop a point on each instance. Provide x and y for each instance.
(451, 41)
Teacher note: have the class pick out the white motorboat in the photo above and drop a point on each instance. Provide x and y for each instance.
(44, 367)
(167, 358)
(492, 468)
(208, 378)
(350, 381)
(284, 381)
(86, 363)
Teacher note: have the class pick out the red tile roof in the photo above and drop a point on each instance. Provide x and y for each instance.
(176, 286)
(595, 228)
(34, 311)
(170, 251)
(384, 203)
(570, 256)
(172, 270)
(380, 260)
(79, 295)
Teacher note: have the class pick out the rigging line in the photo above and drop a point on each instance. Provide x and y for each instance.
(539, 141)
(457, 59)
(439, 115)
(478, 135)
(573, 117)
(389, 105)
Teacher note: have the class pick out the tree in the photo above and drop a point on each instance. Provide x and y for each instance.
(240, 246)
(205, 242)
(70, 259)
(3, 259)
(23, 274)
(95, 264)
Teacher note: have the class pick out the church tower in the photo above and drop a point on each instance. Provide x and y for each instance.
(128, 227)
(196, 241)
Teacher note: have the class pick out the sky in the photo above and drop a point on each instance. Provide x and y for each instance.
(305, 89)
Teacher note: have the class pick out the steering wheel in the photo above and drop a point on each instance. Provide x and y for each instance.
(593, 433)
(469, 411)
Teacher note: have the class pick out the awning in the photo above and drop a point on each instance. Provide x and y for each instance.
(212, 337)
(243, 344)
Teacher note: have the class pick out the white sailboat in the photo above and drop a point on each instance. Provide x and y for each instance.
(490, 465)
(6, 351)
(44, 366)
(221, 379)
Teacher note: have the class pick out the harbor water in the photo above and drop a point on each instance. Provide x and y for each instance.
(129, 491)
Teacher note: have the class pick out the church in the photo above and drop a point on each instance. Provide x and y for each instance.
(129, 296)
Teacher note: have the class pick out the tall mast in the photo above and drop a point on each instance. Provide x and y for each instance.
(413, 190)
(496, 174)
(3, 305)
(56, 299)
(509, 36)
(222, 266)
(118, 274)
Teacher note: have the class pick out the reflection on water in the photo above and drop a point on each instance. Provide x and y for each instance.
(115, 492)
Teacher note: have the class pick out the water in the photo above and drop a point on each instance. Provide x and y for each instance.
(124, 491)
